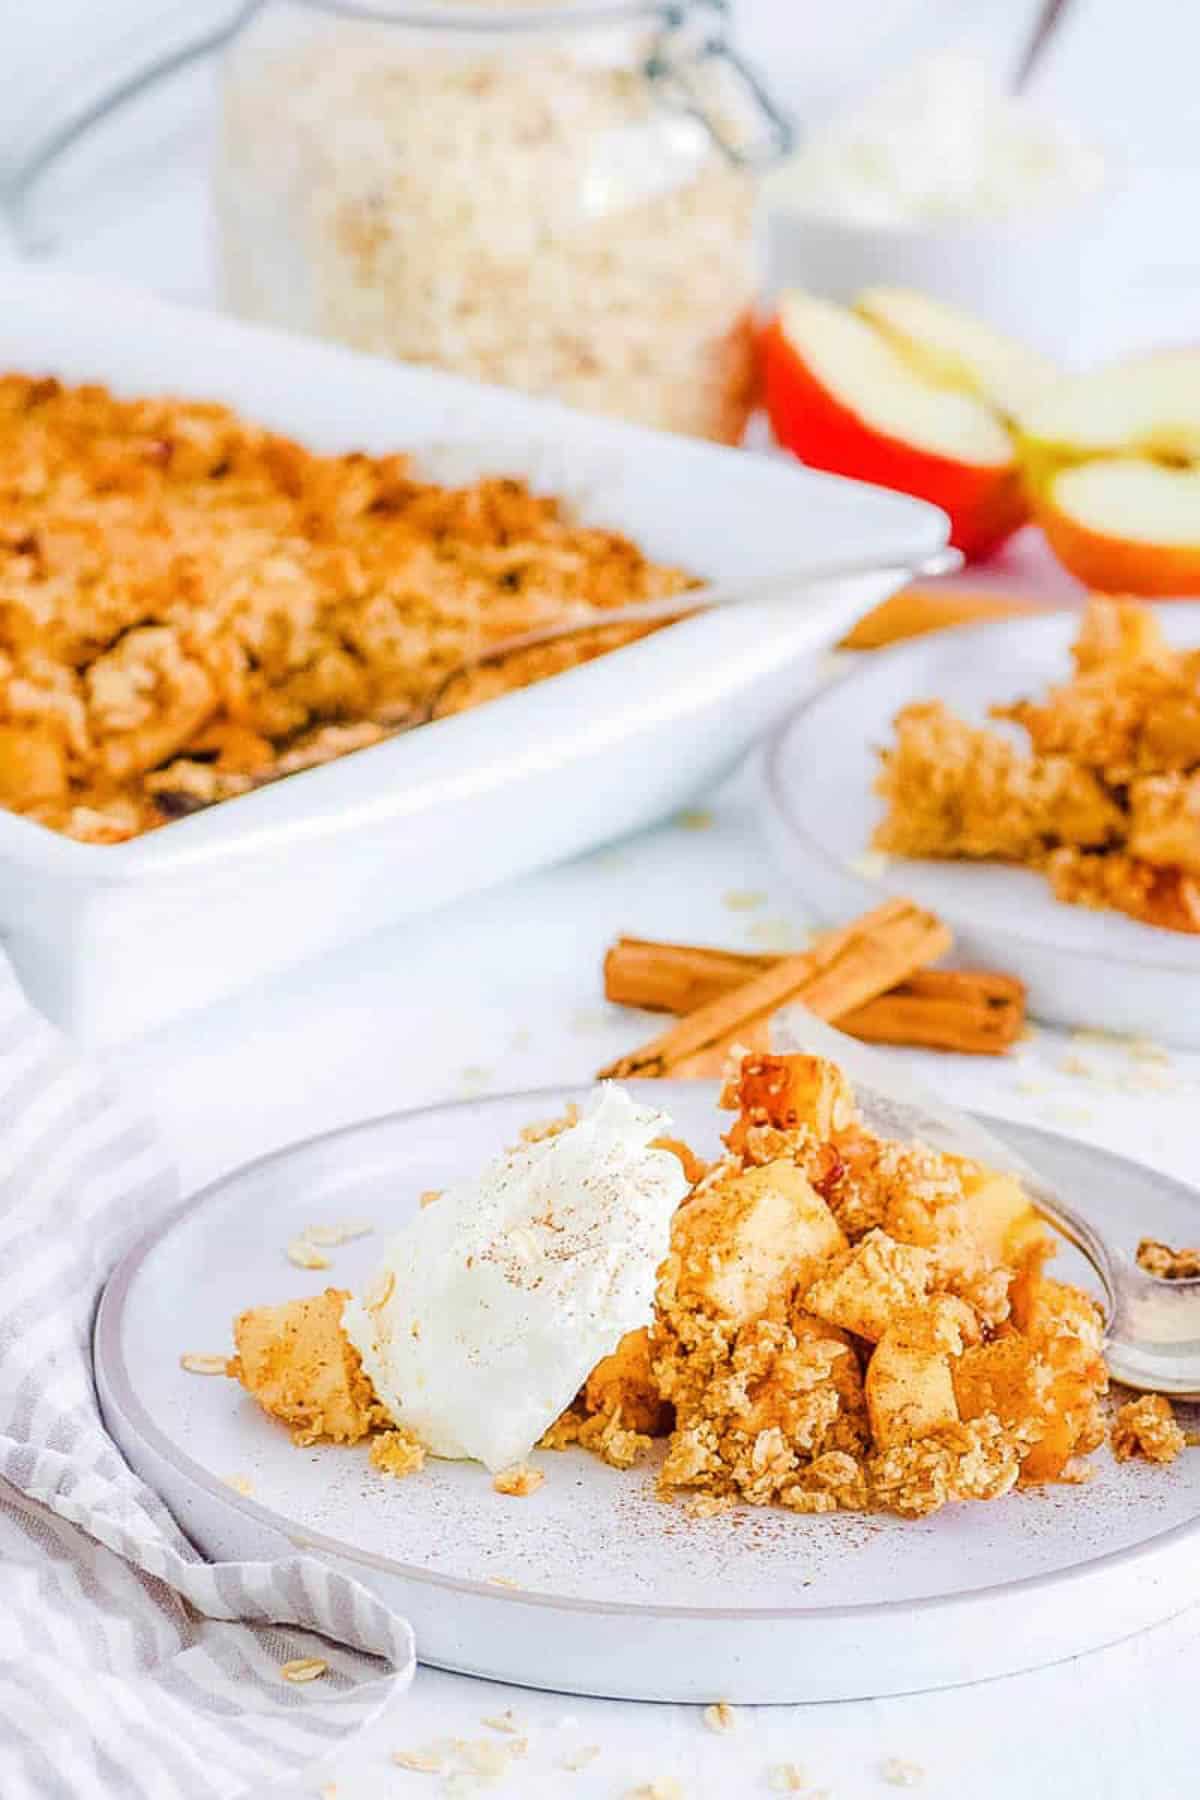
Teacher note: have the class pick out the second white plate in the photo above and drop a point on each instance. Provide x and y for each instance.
(592, 1584)
(1082, 968)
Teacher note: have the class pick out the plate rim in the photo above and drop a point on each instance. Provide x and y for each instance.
(810, 846)
(108, 1356)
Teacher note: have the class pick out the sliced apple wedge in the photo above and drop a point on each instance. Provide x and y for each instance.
(1112, 462)
(843, 397)
(1126, 527)
(957, 350)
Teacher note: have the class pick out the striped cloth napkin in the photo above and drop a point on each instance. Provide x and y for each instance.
(130, 1667)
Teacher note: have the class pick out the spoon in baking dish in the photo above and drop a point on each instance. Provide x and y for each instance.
(1152, 1326)
(444, 699)
(793, 585)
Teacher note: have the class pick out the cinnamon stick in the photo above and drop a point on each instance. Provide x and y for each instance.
(915, 611)
(977, 1012)
(845, 970)
(974, 1011)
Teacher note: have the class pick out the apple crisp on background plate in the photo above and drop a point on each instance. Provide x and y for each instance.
(1080, 790)
(1107, 800)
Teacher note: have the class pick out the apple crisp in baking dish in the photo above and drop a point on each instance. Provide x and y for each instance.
(192, 605)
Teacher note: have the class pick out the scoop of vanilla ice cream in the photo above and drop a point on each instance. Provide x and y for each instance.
(496, 1301)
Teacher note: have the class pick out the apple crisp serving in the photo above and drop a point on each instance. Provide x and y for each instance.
(191, 605)
(842, 1322)
(1106, 802)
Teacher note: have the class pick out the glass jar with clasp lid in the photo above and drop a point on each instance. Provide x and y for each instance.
(555, 197)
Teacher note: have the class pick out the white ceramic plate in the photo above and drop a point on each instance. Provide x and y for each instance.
(616, 1593)
(1083, 968)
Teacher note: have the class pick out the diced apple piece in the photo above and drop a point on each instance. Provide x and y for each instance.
(844, 398)
(865, 1288)
(910, 1392)
(957, 350)
(1003, 1218)
(750, 1240)
(792, 1091)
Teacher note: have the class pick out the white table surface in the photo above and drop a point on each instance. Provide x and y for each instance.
(504, 992)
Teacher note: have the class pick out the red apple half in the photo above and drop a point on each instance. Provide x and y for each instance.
(845, 397)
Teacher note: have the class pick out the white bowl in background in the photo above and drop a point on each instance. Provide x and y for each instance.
(1029, 275)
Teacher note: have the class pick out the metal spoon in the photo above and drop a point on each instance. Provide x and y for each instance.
(794, 584)
(1152, 1327)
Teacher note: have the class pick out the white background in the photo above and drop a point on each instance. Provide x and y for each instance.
(503, 991)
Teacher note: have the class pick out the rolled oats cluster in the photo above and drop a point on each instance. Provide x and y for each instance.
(519, 207)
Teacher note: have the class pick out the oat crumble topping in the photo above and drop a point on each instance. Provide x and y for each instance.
(1146, 1427)
(397, 1452)
(1169, 1265)
(194, 605)
(518, 1481)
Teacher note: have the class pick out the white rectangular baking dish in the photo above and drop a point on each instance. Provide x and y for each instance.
(112, 939)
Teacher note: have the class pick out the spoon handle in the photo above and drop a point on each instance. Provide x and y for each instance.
(793, 584)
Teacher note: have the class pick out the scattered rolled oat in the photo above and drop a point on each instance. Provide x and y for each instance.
(665, 1788)
(578, 1759)
(506, 1721)
(707, 1506)
(304, 1668)
(379, 1292)
(332, 1235)
(458, 1785)
(241, 1484)
(429, 1196)
(504, 1581)
(397, 1453)
(485, 1757)
(721, 1717)
(306, 1255)
(902, 1774)
(520, 1480)
(742, 899)
(786, 1778)
(420, 1762)
(197, 1364)
(870, 865)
